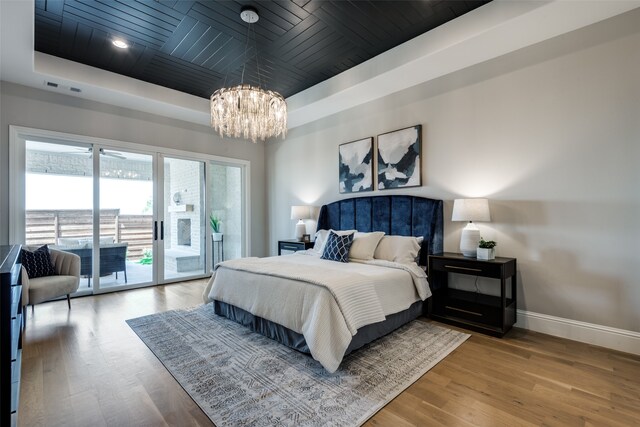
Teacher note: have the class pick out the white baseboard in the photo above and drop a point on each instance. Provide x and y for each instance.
(590, 333)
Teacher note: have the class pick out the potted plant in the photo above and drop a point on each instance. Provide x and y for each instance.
(216, 228)
(486, 249)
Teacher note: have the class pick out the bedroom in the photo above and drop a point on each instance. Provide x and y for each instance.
(548, 133)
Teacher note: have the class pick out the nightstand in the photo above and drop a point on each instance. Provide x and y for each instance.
(293, 245)
(493, 315)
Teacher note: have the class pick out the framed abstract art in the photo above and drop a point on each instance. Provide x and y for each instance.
(355, 163)
(399, 158)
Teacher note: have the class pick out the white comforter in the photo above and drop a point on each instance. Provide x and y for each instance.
(325, 301)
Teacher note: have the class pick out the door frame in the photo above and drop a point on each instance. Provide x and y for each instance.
(245, 210)
(97, 285)
(161, 216)
(18, 135)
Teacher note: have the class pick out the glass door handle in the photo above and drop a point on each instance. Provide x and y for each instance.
(161, 230)
(155, 230)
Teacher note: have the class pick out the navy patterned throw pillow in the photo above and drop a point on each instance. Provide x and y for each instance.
(37, 263)
(337, 247)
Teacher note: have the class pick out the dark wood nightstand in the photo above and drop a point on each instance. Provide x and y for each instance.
(493, 315)
(293, 245)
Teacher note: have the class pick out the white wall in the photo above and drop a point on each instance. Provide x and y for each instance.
(23, 106)
(550, 134)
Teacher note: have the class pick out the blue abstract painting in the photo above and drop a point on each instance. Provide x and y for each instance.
(399, 158)
(356, 166)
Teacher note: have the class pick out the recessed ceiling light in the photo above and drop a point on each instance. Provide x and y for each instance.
(119, 43)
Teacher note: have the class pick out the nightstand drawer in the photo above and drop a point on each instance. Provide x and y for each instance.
(472, 314)
(474, 267)
(292, 246)
(473, 307)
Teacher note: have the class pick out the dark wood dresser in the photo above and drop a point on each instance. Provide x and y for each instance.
(11, 323)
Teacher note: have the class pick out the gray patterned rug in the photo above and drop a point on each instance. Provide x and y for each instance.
(240, 378)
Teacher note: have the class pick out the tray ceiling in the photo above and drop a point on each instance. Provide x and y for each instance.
(194, 47)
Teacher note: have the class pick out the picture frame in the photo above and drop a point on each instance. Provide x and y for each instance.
(355, 166)
(399, 155)
(306, 238)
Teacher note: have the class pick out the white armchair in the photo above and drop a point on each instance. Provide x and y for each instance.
(64, 282)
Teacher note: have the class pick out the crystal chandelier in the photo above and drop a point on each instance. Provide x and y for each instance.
(248, 111)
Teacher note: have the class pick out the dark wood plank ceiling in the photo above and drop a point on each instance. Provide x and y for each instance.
(199, 46)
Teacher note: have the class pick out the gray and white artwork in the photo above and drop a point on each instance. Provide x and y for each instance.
(399, 158)
(356, 166)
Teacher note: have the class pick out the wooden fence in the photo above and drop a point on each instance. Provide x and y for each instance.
(48, 226)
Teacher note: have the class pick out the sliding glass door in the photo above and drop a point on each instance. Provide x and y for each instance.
(226, 184)
(134, 216)
(183, 226)
(59, 210)
(126, 234)
(58, 193)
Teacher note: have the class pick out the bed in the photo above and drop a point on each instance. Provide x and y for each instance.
(329, 309)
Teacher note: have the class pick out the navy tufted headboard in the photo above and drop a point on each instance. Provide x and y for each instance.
(398, 215)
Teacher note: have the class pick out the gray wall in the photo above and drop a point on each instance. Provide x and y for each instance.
(23, 106)
(550, 134)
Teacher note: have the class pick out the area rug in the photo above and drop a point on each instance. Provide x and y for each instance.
(240, 378)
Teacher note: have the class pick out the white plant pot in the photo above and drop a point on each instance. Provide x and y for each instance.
(486, 254)
(217, 237)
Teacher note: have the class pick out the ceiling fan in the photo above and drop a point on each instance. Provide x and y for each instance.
(103, 152)
(111, 154)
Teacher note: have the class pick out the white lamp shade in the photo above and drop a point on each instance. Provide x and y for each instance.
(471, 210)
(300, 212)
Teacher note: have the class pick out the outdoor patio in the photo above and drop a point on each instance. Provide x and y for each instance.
(59, 191)
(71, 230)
(136, 273)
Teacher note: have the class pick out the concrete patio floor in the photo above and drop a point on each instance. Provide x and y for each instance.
(136, 273)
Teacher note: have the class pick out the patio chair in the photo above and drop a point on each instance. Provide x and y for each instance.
(65, 281)
(113, 258)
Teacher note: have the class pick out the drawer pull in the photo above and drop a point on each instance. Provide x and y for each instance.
(293, 248)
(463, 268)
(464, 311)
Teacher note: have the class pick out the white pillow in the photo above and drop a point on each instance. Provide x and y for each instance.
(402, 249)
(322, 236)
(364, 245)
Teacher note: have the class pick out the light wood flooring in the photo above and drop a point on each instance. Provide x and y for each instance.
(85, 367)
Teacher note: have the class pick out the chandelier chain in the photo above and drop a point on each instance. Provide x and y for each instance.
(255, 41)
(246, 49)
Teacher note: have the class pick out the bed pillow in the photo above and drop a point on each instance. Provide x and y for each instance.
(337, 247)
(322, 236)
(37, 263)
(364, 245)
(402, 249)
(320, 240)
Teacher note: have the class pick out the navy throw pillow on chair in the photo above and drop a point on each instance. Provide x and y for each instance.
(337, 247)
(37, 263)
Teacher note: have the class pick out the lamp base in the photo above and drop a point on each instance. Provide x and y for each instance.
(301, 228)
(469, 240)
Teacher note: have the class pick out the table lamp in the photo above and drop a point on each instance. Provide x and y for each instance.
(300, 213)
(470, 210)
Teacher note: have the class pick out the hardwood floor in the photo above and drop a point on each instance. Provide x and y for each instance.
(85, 367)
